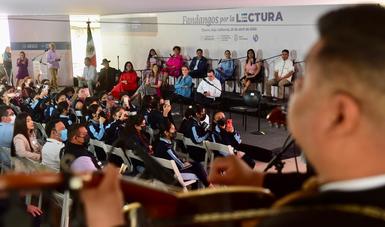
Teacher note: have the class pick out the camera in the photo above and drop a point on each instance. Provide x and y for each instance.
(205, 126)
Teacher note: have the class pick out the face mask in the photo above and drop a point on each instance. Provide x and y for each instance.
(13, 117)
(63, 135)
(104, 103)
(173, 135)
(203, 117)
(86, 141)
(221, 122)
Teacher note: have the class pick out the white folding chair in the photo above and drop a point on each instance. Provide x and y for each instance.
(185, 179)
(225, 150)
(188, 142)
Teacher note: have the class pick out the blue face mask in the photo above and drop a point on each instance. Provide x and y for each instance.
(63, 135)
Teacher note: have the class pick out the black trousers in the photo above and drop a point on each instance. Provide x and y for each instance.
(203, 100)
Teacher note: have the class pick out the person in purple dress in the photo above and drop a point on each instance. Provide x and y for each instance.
(22, 63)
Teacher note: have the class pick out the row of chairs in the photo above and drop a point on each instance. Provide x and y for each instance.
(185, 180)
(210, 147)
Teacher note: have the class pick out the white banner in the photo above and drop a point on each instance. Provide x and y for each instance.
(267, 30)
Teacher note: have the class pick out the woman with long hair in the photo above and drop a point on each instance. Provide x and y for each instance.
(251, 70)
(128, 82)
(153, 82)
(22, 63)
(25, 143)
(153, 59)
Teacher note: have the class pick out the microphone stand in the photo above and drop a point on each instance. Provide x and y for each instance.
(277, 159)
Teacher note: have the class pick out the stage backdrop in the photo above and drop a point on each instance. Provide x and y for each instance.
(32, 34)
(267, 29)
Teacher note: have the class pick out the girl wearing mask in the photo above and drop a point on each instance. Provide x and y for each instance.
(165, 150)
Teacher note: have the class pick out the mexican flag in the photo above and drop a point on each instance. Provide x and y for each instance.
(90, 49)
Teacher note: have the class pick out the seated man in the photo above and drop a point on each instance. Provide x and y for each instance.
(50, 153)
(77, 149)
(223, 132)
(198, 65)
(347, 147)
(7, 120)
(283, 71)
(208, 89)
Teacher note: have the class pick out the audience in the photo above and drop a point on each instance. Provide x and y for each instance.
(198, 66)
(76, 150)
(165, 150)
(89, 76)
(198, 131)
(225, 69)
(50, 153)
(183, 85)
(153, 59)
(208, 89)
(7, 121)
(25, 144)
(106, 77)
(175, 62)
(283, 71)
(128, 82)
(252, 68)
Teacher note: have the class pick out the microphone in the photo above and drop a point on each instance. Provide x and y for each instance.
(47, 49)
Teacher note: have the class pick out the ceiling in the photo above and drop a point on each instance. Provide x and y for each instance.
(108, 7)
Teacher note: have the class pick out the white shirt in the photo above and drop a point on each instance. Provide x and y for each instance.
(359, 184)
(214, 92)
(50, 153)
(283, 67)
(196, 64)
(89, 73)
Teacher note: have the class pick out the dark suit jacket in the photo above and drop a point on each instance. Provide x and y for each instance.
(312, 216)
(202, 65)
(107, 79)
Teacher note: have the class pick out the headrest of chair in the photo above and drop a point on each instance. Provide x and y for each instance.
(252, 98)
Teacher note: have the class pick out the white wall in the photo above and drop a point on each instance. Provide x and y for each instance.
(296, 31)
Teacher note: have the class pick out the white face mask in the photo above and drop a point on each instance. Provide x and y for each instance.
(13, 117)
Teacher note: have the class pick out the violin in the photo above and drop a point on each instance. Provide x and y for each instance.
(162, 207)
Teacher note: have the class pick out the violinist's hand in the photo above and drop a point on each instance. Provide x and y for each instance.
(103, 205)
(232, 170)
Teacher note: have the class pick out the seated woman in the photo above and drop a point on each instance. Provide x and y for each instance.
(25, 144)
(175, 62)
(165, 150)
(153, 59)
(252, 68)
(225, 69)
(135, 128)
(128, 82)
(183, 85)
(153, 82)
